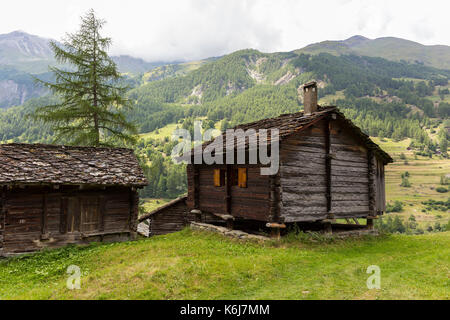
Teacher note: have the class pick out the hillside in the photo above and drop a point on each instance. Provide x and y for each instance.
(176, 266)
(386, 99)
(390, 48)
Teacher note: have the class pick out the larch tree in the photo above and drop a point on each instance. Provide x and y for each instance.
(92, 103)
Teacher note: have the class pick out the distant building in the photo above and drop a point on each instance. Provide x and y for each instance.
(56, 195)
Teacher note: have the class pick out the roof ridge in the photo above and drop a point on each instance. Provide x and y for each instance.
(62, 146)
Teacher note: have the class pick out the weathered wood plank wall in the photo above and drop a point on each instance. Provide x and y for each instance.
(252, 202)
(303, 175)
(211, 198)
(170, 219)
(349, 174)
(43, 217)
(2, 216)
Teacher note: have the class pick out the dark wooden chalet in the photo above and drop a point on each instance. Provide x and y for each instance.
(57, 195)
(329, 169)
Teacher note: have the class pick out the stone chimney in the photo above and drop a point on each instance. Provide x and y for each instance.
(310, 97)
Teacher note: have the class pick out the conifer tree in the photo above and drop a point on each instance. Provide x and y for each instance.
(91, 108)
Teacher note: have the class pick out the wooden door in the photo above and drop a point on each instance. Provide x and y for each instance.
(73, 215)
(90, 214)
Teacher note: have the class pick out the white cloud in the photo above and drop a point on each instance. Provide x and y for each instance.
(194, 29)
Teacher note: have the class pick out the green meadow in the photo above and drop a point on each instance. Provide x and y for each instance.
(193, 265)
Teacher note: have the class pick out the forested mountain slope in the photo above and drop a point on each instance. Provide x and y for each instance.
(385, 98)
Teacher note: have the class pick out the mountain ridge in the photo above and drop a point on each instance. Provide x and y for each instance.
(390, 48)
(32, 54)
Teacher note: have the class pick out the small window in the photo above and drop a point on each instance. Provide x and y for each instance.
(242, 177)
(219, 177)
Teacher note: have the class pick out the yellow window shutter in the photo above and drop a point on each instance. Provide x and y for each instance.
(217, 177)
(242, 177)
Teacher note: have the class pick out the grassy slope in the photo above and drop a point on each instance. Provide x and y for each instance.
(190, 265)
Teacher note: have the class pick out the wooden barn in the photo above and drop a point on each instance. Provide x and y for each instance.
(328, 169)
(57, 195)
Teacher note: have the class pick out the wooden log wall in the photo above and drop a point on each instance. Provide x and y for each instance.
(193, 175)
(3, 191)
(170, 219)
(252, 202)
(38, 217)
(176, 217)
(134, 209)
(303, 175)
(211, 198)
(373, 188)
(380, 196)
(326, 174)
(349, 174)
(190, 184)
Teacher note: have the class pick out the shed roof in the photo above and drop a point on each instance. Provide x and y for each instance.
(288, 124)
(162, 208)
(52, 164)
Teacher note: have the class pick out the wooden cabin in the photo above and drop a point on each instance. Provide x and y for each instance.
(328, 169)
(57, 195)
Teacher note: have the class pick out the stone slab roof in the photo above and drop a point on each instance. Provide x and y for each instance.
(289, 124)
(51, 164)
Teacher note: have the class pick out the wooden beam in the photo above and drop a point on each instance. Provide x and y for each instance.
(356, 221)
(63, 216)
(275, 233)
(44, 229)
(134, 210)
(276, 225)
(371, 187)
(196, 186)
(370, 225)
(230, 224)
(229, 179)
(102, 213)
(328, 166)
(3, 208)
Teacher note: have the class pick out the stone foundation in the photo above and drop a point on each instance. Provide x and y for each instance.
(227, 232)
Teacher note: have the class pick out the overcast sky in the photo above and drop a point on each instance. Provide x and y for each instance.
(193, 29)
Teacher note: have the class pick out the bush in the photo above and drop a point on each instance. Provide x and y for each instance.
(441, 190)
(405, 183)
(396, 207)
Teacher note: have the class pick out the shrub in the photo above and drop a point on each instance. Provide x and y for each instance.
(441, 190)
(405, 182)
(396, 207)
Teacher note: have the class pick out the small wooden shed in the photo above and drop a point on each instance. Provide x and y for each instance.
(328, 169)
(57, 195)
